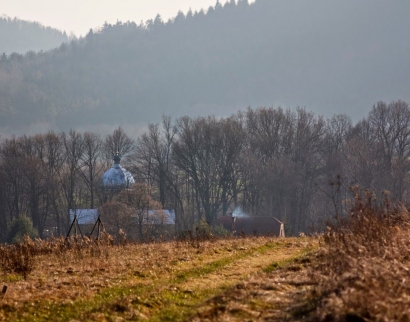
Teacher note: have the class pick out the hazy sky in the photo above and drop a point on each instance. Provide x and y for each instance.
(79, 16)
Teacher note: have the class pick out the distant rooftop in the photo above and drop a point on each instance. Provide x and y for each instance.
(84, 216)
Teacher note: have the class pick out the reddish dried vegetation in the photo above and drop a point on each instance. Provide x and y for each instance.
(363, 267)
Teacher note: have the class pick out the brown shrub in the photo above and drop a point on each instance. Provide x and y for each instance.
(17, 258)
(363, 266)
(20, 258)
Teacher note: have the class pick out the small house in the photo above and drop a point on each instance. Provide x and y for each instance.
(251, 225)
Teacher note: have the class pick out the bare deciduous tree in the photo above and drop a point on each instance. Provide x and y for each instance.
(139, 202)
(119, 142)
(91, 163)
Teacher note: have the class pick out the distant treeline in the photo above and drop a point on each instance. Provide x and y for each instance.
(289, 164)
(217, 61)
(20, 36)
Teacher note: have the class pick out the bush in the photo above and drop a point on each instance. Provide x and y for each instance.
(220, 231)
(19, 228)
(364, 265)
(18, 258)
(204, 230)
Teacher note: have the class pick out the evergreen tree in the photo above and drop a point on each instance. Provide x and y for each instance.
(19, 228)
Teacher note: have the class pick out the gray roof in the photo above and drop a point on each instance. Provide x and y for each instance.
(166, 216)
(84, 216)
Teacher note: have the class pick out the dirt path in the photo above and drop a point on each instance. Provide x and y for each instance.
(246, 270)
(265, 296)
(243, 268)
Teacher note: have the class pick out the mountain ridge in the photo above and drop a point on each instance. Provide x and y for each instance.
(329, 57)
(21, 36)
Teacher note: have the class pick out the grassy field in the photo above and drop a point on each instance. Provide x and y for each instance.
(164, 281)
(356, 270)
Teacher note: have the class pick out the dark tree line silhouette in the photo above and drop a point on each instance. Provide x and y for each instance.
(290, 164)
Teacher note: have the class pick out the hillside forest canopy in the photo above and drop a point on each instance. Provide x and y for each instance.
(20, 36)
(326, 56)
(291, 164)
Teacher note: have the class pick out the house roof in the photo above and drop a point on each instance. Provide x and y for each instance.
(159, 217)
(84, 216)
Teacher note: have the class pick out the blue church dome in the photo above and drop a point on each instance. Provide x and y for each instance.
(117, 177)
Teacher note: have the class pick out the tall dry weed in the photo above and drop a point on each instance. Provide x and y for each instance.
(20, 258)
(363, 269)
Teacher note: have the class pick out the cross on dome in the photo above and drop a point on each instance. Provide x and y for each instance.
(117, 157)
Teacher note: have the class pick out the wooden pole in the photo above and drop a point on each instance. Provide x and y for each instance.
(100, 227)
(76, 226)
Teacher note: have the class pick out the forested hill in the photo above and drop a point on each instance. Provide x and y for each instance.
(329, 56)
(21, 36)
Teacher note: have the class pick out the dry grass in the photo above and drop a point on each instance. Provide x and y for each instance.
(362, 270)
(155, 281)
(268, 295)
